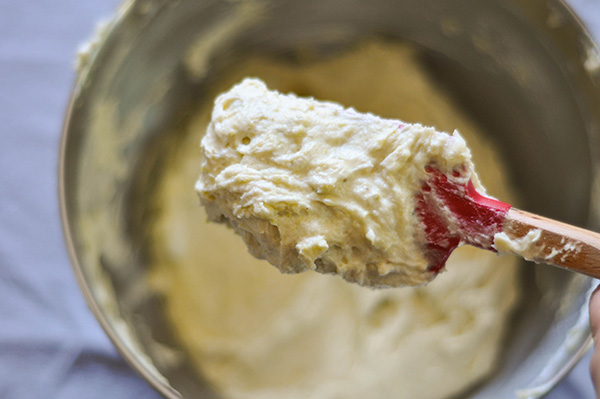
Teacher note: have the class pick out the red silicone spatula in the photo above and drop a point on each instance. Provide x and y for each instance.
(454, 213)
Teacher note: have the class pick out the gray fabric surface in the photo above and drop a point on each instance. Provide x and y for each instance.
(50, 344)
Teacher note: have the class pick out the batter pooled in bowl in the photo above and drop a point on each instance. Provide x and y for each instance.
(256, 333)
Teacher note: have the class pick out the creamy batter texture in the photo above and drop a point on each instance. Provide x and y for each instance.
(256, 333)
(311, 185)
(525, 246)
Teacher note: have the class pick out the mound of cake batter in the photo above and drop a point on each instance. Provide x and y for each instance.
(311, 185)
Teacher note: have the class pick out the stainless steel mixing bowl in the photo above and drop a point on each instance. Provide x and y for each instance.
(526, 70)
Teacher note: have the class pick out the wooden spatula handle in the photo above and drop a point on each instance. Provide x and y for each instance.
(545, 240)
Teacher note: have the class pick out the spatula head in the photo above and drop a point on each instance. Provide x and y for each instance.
(455, 213)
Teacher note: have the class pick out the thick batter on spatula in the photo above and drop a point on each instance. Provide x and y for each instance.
(313, 185)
